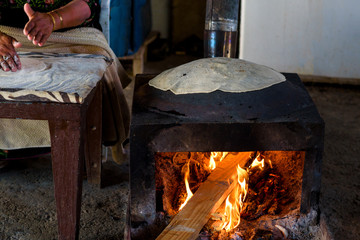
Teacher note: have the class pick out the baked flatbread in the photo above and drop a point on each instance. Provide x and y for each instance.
(210, 74)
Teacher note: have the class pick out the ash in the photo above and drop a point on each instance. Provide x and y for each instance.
(293, 226)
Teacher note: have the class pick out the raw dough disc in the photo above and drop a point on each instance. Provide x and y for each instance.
(28, 66)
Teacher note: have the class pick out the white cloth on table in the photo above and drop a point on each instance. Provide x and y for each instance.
(66, 78)
(91, 41)
(53, 77)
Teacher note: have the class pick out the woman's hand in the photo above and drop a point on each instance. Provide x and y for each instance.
(9, 60)
(39, 26)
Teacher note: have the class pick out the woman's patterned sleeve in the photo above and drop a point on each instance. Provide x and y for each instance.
(95, 11)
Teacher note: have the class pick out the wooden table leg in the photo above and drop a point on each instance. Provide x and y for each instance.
(67, 160)
(93, 139)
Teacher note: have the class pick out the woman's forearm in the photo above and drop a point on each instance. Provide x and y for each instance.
(72, 14)
(41, 25)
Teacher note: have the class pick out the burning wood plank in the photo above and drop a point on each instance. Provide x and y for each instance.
(189, 221)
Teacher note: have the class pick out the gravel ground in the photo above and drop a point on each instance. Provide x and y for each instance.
(27, 205)
(340, 189)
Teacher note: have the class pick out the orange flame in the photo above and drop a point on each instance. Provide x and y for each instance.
(223, 155)
(188, 191)
(234, 207)
(215, 155)
(256, 162)
(234, 202)
(212, 164)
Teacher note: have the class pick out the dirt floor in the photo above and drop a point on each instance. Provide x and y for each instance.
(27, 206)
(340, 189)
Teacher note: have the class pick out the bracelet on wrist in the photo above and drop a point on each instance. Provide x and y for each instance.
(53, 20)
(60, 17)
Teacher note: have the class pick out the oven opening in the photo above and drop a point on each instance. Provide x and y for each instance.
(255, 192)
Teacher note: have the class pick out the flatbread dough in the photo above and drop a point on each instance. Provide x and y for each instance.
(28, 65)
(211, 74)
(47, 76)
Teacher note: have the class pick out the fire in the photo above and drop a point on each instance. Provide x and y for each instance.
(188, 190)
(256, 162)
(234, 202)
(216, 155)
(212, 164)
(233, 208)
(223, 155)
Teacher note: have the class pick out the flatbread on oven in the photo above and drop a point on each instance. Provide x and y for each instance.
(211, 74)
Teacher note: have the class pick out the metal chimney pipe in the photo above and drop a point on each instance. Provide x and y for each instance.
(221, 28)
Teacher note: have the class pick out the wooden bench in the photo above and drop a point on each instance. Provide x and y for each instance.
(139, 58)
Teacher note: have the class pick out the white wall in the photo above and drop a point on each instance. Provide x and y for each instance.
(316, 37)
(160, 10)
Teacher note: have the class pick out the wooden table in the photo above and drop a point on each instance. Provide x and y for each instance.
(75, 131)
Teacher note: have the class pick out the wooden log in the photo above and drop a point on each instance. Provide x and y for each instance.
(207, 199)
